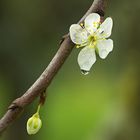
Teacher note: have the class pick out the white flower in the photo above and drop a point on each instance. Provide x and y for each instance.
(92, 35)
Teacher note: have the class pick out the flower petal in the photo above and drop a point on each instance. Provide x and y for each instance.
(105, 28)
(104, 47)
(86, 58)
(78, 34)
(92, 22)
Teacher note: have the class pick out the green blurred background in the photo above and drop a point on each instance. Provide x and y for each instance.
(104, 105)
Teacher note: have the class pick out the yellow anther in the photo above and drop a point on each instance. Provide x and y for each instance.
(77, 46)
(95, 24)
(82, 25)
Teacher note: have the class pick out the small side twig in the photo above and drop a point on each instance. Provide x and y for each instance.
(42, 98)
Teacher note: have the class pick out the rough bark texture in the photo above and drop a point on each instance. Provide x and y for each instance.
(46, 77)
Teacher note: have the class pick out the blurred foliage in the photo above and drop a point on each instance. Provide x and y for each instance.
(104, 105)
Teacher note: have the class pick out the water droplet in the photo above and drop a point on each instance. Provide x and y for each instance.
(84, 72)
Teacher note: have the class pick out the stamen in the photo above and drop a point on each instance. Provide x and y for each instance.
(82, 25)
(96, 24)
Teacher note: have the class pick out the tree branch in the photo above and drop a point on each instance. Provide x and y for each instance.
(46, 77)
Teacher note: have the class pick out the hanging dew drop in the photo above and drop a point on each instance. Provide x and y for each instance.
(84, 72)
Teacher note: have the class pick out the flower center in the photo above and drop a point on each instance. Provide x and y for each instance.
(92, 41)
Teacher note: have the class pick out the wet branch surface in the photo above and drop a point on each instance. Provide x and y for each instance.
(42, 83)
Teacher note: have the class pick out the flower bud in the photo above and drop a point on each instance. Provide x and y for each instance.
(34, 124)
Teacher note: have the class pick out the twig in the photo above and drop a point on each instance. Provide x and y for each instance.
(46, 77)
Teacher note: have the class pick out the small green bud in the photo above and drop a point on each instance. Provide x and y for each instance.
(34, 124)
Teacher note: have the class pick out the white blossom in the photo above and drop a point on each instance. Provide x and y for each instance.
(93, 36)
